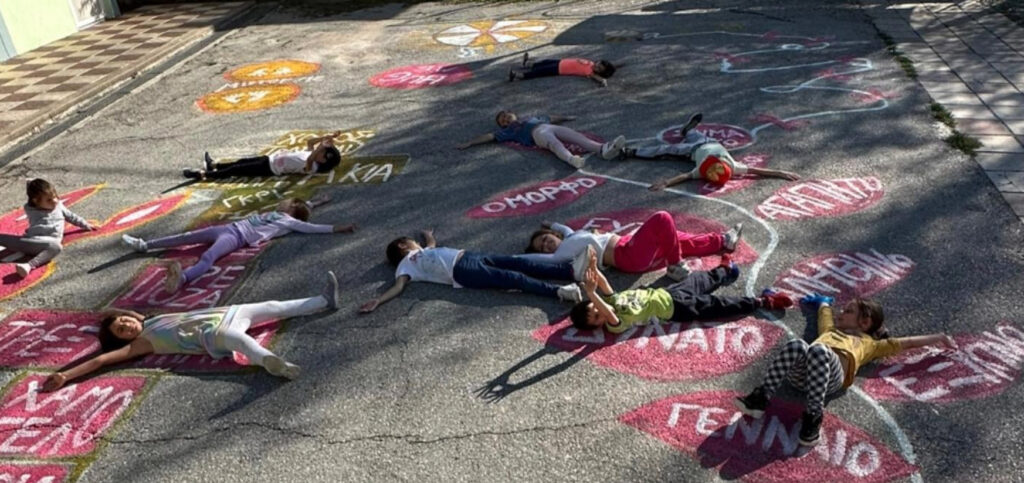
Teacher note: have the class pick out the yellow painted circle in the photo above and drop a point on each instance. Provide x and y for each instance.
(272, 70)
(489, 32)
(252, 98)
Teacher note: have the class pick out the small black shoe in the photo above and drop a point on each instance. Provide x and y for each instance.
(810, 427)
(526, 58)
(627, 153)
(207, 162)
(692, 123)
(753, 404)
(191, 174)
(511, 74)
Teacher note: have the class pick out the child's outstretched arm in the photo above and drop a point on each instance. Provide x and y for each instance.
(561, 119)
(76, 220)
(136, 348)
(391, 293)
(481, 139)
(602, 281)
(773, 173)
(660, 185)
(601, 81)
(926, 340)
(428, 238)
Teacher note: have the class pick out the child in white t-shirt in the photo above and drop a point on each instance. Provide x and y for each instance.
(461, 268)
(320, 156)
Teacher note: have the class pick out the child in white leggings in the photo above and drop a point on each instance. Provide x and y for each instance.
(216, 331)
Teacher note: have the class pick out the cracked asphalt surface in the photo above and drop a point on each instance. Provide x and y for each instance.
(449, 385)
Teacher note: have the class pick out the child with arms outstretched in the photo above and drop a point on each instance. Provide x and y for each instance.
(830, 363)
(46, 217)
(598, 72)
(320, 156)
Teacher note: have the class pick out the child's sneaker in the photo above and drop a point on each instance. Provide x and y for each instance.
(580, 263)
(732, 273)
(612, 148)
(570, 293)
(772, 300)
(511, 74)
(137, 244)
(677, 272)
(526, 58)
(732, 237)
(331, 291)
(173, 281)
(627, 152)
(576, 162)
(752, 404)
(810, 426)
(207, 162)
(280, 367)
(692, 123)
(22, 269)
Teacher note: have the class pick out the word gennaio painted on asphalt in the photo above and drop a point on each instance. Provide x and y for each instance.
(418, 76)
(732, 137)
(16, 222)
(627, 221)
(845, 275)
(536, 198)
(66, 423)
(34, 473)
(259, 86)
(753, 160)
(984, 365)
(706, 426)
(671, 351)
(822, 198)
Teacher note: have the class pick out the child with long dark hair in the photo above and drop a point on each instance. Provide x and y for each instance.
(46, 217)
(830, 363)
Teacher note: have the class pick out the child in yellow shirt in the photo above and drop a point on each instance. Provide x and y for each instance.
(832, 360)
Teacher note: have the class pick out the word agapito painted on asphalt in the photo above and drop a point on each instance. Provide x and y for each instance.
(821, 198)
(536, 198)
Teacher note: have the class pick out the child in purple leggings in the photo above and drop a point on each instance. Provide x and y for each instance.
(291, 215)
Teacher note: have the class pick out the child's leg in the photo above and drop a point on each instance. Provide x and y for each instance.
(222, 245)
(691, 245)
(236, 340)
(195, 237)
(257, 166)
(532, 268)
(41, 249)
(571, 136)
(654, 245)
(542, 68)
(262, 312)
(472, 272)
(545, 137)
(657, 151)
(791, 362)
(704, 307)
(700, 283)
(824, 376)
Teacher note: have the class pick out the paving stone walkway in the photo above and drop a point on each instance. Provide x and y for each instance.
(41, 84)
(971, 60)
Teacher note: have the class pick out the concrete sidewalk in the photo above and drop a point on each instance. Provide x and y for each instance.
(42, 84)
(971, 60)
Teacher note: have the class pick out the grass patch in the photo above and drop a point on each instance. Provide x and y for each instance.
(963, 142)
(941, 114)
(905, 63)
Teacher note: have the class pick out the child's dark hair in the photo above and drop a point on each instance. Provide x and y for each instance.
(396, 253)
(332, 157)
(578, 315)
(497, 116)
(38, 187)
(606, 68)
(109, 341)
(300, 210)
(542, 231)
(873, 310)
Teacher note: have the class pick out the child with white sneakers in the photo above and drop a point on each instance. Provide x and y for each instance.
(46, 218)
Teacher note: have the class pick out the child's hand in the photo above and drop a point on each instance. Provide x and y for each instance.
(369, 306)
(817, 300)
(345, 228)
(462, 145)
(590, 280)
(593, 259)
(428, 233)
(948, 342)
(603, 82)
(54, 382)
(658, 186)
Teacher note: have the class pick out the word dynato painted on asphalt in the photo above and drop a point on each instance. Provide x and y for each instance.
(668, 351)
(627, 221)
(16, 222)
(844, 275)
(66, 423)
(706, 426)
(259, 86)
(33, 473)
(55, 338)
(732, 137)
(984, 365)
(536, 198)
(821, 198)
(418, 76)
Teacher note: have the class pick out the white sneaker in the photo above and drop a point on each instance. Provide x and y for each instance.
(732, 237)
(331, 291)
(612, 148)
(576, 162)
(678, 272)
(137, 244)
(570, 293)
(22, 269)
(580, 263)
(173, 281)
(280, 367)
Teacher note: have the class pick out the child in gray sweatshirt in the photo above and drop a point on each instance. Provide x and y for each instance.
(42, 239)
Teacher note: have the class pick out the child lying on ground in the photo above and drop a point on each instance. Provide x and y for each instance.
(46, 217)
(598, 72)
(320, 156)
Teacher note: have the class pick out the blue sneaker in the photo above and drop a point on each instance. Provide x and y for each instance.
(816, 300)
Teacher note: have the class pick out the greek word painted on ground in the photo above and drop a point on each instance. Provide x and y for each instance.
(34, 473)
(47, 338)
(65, 423)
(821, 198)
(421, 75)
(845, 275)
(753, 160)
(672, 351)
(706, 426)
(536, 198)
(272, 70)
(732, 137)
(985, 364)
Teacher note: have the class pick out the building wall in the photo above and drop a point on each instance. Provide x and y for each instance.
(33, 23)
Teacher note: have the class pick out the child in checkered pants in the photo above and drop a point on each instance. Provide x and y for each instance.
(832, 360)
